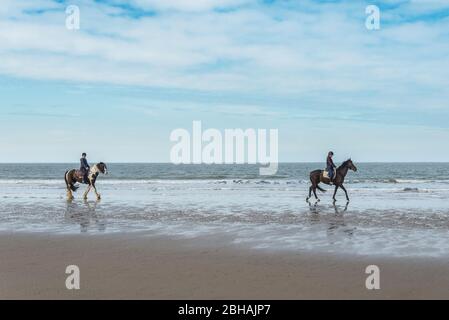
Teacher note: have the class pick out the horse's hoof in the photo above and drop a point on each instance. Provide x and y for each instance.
(307, 199)
(98, 197)
(317, 200)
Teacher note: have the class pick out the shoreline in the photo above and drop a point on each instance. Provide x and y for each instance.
(135, 266)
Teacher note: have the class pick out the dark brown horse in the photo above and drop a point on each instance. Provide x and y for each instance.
(73, 176)
(316, 177)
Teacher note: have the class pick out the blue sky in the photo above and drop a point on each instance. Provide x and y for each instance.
(138, 69)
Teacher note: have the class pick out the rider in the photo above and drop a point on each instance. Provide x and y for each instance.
(330, 166)
(84, 168)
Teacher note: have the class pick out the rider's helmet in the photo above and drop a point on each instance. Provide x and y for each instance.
(84, 154)
(330, 153)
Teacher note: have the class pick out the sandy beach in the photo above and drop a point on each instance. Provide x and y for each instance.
(135, 266)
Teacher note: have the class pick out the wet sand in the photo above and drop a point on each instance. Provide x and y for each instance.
(134, 266)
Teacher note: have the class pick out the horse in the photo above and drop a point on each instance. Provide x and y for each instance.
(316, 177)
(73, 176)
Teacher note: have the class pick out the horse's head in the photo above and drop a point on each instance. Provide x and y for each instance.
(351, 165)
(102, 167)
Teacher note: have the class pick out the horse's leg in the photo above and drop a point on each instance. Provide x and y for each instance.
(310, 194)
(335, 192)
(314, 192)
(69, 193)
(312, 186)
(347, 198)
(96, 193)
(87, 191)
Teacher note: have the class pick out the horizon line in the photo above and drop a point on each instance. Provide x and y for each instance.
(280, 162)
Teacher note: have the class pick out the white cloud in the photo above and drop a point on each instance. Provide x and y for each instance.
(187, 5)
(319, 50)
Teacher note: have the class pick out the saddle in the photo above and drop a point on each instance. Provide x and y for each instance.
(325, 177)
(79, 175)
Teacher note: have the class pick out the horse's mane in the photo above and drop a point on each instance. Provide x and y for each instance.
(344, 164)
(102, 164)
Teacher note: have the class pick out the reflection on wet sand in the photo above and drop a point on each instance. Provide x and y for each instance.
(84, 215)
(257, 218)
(336, 225)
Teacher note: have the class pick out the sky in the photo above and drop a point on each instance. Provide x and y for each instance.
(138, 69)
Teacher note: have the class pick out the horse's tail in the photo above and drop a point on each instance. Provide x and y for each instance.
(69, 184)
(321, 189)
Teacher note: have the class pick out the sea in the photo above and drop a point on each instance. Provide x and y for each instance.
(395, 209)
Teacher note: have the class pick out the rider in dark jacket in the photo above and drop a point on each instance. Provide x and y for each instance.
(84, 167)
(330, 166)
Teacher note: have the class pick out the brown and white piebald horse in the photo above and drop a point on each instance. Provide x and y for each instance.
(73, 176)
